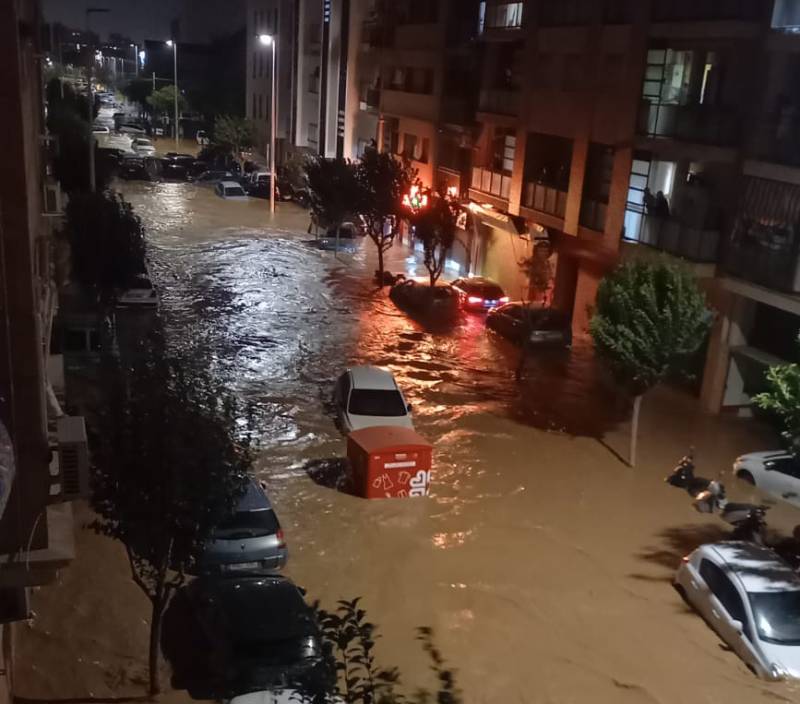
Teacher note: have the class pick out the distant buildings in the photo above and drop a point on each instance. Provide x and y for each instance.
(563, 120)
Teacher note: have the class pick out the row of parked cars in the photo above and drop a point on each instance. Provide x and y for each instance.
(515, 321)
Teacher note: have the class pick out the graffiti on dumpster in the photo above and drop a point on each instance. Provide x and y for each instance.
(419, 483)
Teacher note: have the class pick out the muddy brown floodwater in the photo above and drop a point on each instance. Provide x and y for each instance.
(542, 563)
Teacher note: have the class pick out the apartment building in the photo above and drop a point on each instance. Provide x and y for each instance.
(43, 461)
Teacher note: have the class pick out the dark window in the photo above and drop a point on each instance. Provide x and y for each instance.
(75, 340)
(376, 402)
(556, 13)
(599, 165)
(249, 524)
(785, 465)
(548, 160)
(722, 588)
(618, 11)
(694, 10)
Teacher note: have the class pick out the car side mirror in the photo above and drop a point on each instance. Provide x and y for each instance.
(738, 626)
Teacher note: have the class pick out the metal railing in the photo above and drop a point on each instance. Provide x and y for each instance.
(492, 182)
(499, 102)
(774, 268)
(546, 199)
(707, 124)
(671, 236)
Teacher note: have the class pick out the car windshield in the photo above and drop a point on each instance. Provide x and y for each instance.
(234, 191)
(777, 616)
(249, 524)
(376, 402)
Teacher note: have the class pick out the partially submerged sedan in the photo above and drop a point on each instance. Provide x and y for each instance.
(542, 326)
(751, 598)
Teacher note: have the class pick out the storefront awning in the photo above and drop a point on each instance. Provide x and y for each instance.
(506, 222)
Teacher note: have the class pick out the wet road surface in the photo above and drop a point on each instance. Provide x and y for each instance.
(542, 563)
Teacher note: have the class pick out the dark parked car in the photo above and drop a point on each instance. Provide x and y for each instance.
(212, 178)
(251, 540)
(542, 326)
(479, 294)
(225, 636)
(142, 168)
(440, 302)
(175, 171)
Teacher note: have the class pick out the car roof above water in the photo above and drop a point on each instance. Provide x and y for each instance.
(759, 569)
(368, 377)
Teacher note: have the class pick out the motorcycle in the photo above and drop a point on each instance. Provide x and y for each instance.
(683, 476)
(753, 527)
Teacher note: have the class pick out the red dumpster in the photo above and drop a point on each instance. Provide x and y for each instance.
(389, 462)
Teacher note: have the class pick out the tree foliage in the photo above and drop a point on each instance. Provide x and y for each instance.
(138, 90)
(234, 134)
(382, 181)
(169, 466)
(162, 101)
(539, 270)
(435, 227)
(68, 122)
(333, 190)
(649, 320)
(106, 242)
(783, 399)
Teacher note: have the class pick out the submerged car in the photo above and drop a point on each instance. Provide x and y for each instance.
(751, 598)
(229, 635)
(347, 239)
(251, 540)
(230, 190)
(369, 396)
(435, 302)
(142, 294)
(143, 146)
(776, 473)
(212, 178)
(542, 326)
(479, 294)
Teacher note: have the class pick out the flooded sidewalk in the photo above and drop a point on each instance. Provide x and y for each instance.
(542, 563)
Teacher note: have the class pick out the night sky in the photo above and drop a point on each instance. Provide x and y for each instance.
(200, 20)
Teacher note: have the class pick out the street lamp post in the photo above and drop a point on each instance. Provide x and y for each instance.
(174, 46)
(92, 176)
(135, 60)
(271, 41)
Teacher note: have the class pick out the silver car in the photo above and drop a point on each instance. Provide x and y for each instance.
(251, 541)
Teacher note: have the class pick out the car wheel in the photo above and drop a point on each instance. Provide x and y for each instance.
(745, 476)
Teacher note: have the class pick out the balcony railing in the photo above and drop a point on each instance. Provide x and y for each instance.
(503, 16)
(546, 199)
(671, 236)
(376, 34)
(707, 124)
(765, 262)
(370, 99)
(492, 182)
(499, 102)
(593, 214)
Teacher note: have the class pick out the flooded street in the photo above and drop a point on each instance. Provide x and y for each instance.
(541, 562)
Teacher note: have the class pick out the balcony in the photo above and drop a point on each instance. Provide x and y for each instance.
(779, 144)
(500, 21)
(704, 124)
(369, 100)
(376, 35)
(499, 102)
(492, 182)
(670, 235)
(759, 263)
(546, 199)
(593, 215)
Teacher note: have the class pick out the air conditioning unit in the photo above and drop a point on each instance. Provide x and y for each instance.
(73, 458)
(52, 199)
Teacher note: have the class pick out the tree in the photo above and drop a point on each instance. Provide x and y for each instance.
(138, 90)
(382, 180)
(435, 226)
(539, 271)
(168, 468)
(333, 190)
(783, 399)
(649, 320)
(234, 134)
(162, 101)
(106, 242)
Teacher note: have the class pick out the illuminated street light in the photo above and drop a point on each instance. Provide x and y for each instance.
(271, 41)
(174, 46)
(265, 39)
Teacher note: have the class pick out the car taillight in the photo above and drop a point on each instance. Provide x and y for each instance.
(504, 299)
(281, 539)
(474, 299)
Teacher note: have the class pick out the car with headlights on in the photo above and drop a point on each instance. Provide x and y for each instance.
(751, 598)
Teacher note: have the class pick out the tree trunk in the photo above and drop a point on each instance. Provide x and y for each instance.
(380, 265)
(637, 405)
(155, 639)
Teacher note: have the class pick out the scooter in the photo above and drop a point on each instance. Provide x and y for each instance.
(683, 476)
(753, 527)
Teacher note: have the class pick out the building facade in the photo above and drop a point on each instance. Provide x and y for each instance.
(43, 454)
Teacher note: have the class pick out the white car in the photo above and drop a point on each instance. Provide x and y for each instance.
(751, 598)
(143, 147)
(230, 190)
(141, 295)
(369, 396)
(131, 129)
(776, 473)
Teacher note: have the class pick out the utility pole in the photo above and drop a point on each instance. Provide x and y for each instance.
(154, 81)
(90, 97)
(174, 44)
